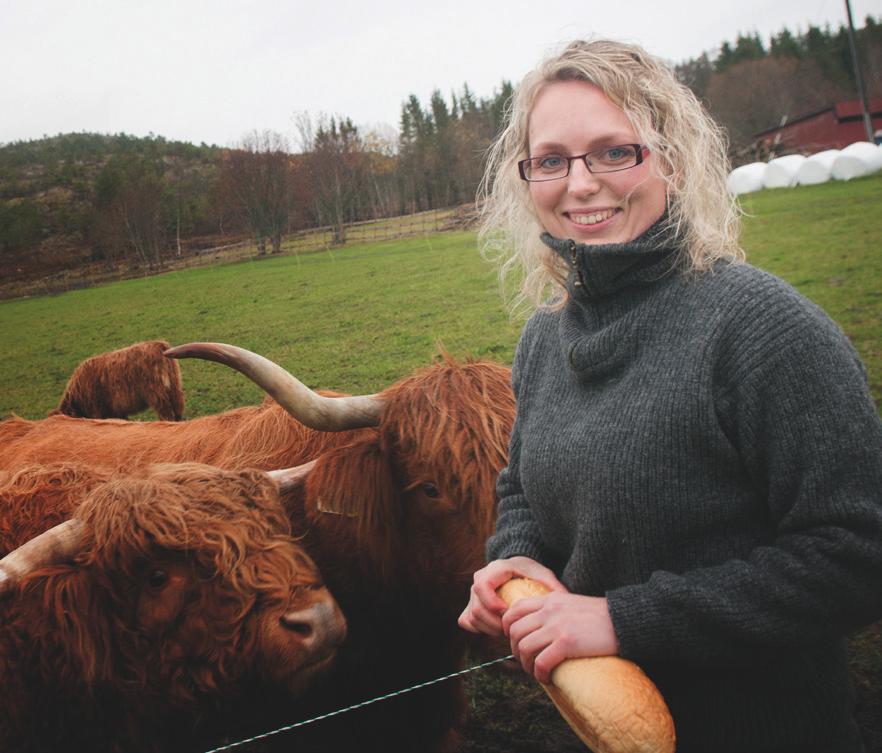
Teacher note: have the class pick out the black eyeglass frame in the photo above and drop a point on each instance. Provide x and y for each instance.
(638, 150)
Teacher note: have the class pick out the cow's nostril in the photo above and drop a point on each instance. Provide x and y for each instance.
(298, 622)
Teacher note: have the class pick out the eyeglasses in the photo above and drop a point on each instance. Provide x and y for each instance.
(610, 159)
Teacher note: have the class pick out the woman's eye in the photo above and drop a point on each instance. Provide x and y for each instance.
(157, 578)
(429, 489)
(551, 162)
(617, 153)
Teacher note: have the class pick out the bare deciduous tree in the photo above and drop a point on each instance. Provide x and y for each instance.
(335, 161)
(257, 182)
(131, 209)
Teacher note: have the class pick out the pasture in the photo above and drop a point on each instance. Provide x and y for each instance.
(354, 319)
(357, 318)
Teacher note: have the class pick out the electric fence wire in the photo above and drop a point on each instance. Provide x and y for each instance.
(303, 723)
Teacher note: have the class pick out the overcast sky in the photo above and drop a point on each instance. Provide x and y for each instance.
(196, 70)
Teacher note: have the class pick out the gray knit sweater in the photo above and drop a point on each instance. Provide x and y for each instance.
(702, 449)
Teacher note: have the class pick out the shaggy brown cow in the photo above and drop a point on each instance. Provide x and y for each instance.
(185, 599)
(125, 381)
(395, 516)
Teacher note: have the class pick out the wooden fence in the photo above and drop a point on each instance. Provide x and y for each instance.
(302, 242)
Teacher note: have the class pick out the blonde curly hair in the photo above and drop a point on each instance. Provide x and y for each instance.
(667, 118)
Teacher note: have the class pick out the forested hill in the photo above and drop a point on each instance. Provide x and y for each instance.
(54, 190)
(76, 198)
(73, 198)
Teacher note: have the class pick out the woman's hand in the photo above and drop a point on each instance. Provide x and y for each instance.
(483, 614)
(545, 630)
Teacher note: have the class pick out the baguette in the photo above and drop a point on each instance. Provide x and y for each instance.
(609, 702)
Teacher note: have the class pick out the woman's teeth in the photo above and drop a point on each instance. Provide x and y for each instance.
(592, 219)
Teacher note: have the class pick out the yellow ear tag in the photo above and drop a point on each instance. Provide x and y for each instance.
(337, 507)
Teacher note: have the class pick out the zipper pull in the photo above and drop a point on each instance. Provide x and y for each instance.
(578, 280)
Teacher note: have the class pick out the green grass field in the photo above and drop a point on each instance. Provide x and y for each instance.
(357, 318)
(354, 319)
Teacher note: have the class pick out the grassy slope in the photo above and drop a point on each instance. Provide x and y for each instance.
(356, 319)
(827, 241)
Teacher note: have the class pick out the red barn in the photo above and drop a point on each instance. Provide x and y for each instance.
(833, 127)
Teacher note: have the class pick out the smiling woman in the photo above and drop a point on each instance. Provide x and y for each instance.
(694, 470)
(609, 198)
(642, 104)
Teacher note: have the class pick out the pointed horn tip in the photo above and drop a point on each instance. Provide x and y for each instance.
(291, 478)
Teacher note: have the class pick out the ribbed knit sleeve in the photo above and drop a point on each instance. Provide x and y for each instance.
(516, 530)
(791, 396)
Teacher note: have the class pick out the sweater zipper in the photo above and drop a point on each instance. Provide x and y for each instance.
(578, 280)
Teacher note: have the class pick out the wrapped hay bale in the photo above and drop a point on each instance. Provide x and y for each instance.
(781, 172)
(817, 168)
(856, 160)
(746, 178)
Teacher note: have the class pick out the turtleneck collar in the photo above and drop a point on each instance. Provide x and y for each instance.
(597, 271)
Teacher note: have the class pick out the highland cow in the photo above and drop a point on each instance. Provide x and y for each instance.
(395, 512)
(123, 382)
(165, 604)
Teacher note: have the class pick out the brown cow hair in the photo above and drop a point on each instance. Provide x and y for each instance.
(453, 436)
(82, 625)
(356, 479)
(122, 382)
(460, 428)
(422, 487)
(37, 497)
(261, 436)
(417, 500)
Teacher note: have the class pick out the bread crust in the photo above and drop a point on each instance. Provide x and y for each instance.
(609, 702)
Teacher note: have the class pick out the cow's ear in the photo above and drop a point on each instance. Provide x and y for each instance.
(353, 481)
(356, 481)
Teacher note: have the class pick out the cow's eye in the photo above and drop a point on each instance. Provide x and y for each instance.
(429, 489)
(158, 578)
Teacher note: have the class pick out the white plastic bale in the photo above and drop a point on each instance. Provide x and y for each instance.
(817, 168)
(781, 171)
(867, 151)
(857, 159)
(746, 178)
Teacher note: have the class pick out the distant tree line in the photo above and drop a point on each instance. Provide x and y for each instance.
(142, 200)
(751, 85)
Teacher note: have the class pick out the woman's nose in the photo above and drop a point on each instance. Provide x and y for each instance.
(581, 180)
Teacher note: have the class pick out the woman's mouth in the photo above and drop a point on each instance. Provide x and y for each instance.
(592, 218)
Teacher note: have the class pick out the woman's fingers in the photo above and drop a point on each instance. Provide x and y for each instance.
(530, 638)
(545, 630)
(519, 610)
(545, 661)
(478, 617)
(490, 578)
(479, 620)
(485, 610)
(525, 567)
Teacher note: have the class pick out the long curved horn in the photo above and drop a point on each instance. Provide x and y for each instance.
(313, 410)
(291, 478)
(58, 544)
